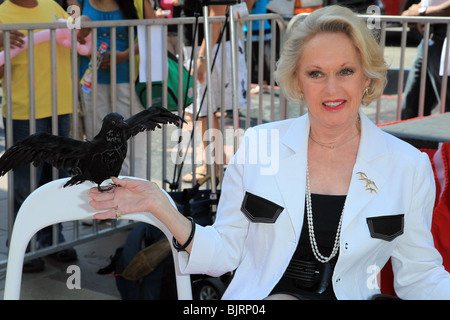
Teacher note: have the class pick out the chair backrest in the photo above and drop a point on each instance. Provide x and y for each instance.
(51, 204)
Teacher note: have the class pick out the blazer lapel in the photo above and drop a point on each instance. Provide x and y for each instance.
(291, 175)
(367, 179)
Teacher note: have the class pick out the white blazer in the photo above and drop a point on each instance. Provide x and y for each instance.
(392, 221)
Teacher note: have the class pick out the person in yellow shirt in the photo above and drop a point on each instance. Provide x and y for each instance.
(20, 11)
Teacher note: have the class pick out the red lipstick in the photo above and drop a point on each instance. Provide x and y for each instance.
(334, 105)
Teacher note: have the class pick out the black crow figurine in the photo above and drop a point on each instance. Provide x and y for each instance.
(95, 160)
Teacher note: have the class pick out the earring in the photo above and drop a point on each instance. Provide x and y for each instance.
(301, 97)
(366, 91)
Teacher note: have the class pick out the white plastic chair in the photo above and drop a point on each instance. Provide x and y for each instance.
(51, 204)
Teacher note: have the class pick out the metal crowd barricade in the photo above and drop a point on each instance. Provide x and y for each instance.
(260, 108)
(73, 232)
(79, 235)
(278, 29)
(427, 36)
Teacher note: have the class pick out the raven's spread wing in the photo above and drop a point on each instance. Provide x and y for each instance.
(60, 152)
(149, 119)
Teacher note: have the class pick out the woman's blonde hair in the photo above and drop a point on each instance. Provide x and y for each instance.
(334, 19)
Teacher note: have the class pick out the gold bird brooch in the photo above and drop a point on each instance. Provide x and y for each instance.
(370, 185)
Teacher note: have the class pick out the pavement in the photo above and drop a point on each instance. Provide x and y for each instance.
(51, 284)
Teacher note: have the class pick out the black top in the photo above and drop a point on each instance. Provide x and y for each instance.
(306, 277)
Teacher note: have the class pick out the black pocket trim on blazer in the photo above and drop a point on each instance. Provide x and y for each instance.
(261, 210)
(386, 227)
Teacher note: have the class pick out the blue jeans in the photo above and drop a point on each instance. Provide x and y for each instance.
(21, 130)
(411, 96)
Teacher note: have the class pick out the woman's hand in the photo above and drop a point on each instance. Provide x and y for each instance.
(83, 32)
(159, 14)
(413, 10)
(141, 196)
(121, 56)
(132, 196)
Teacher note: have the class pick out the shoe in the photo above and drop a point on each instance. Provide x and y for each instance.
(256, 89)
(200, 172)
(34, 265)
(229, 114)
(66, 255)
(188, 178)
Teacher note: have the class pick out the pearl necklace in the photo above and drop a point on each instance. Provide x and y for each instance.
(312, 238)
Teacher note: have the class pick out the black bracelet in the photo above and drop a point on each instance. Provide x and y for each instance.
(180, 247)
